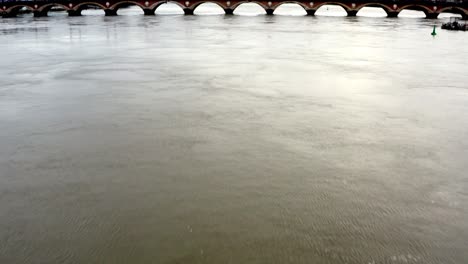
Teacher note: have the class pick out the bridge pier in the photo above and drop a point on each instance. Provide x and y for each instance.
(188, 11)
(269, 11)
(352, 13)
(228, 11)
(392, 14)
(110, 12)
(311, 12)
(432, 15)
(148, 12)
(74, 12)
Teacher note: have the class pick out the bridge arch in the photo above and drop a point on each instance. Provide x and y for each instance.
(16, 8)
(293, 4)
(455, 10)
(77, 10)
(198, 4)
(422, 8)
(81, 6)
(344, 6)
(119, 5)
(47, 7)
(265, 7)
(160, 3)
(301, 4)
(386, 8)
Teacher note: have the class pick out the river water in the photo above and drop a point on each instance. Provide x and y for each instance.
(233, 139)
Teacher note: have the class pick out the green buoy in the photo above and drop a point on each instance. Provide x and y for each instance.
(433, 31)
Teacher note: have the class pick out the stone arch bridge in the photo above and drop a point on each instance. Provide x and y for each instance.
(432, 8)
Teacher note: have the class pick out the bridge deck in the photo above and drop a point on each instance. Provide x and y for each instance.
(10, 8)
